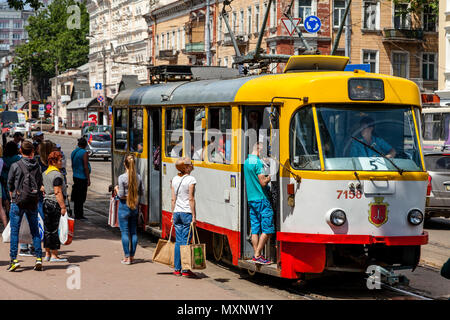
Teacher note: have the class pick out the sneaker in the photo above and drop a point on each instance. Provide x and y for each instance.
(189, 274)
(38, 265)
(25, 253)
(177, 273)
(14, 264)
(261, 260)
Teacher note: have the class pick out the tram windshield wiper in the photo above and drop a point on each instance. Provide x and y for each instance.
(380, 153)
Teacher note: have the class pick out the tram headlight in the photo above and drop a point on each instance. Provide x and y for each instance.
(415, 217)
(337, 217)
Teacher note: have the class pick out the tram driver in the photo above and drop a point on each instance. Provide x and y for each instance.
(366, 135)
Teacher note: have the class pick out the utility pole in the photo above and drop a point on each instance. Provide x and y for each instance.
(29, 93)
(105, 107)
(341, 26)
(207, 36)
(56, 98)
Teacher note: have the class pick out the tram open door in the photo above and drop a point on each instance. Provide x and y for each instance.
(154, 165)
(260, 124)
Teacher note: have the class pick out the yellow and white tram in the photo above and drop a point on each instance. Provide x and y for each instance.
(334, 210)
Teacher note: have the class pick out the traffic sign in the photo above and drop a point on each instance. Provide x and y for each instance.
(289, 26)
(100, 99)
(312, 24)
(98, 86)
(41, 110)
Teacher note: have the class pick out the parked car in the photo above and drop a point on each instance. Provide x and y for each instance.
(42, 125)
(97, 128)
(18, 127)
(438, 191)
(99, 145)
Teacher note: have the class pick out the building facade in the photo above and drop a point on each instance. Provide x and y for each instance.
(444, 53)
(118, 42)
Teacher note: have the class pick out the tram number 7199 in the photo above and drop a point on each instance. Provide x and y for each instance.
(346, 194)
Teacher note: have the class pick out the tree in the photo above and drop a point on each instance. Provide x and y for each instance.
(52, 42)
(20, 4)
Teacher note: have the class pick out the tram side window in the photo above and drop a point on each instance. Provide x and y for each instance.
(304, 153)
(121, 128)
(219, 135)
(195, 133)
(174, 132)
(137, 130)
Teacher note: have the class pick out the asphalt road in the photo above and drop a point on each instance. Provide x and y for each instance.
(425, 280)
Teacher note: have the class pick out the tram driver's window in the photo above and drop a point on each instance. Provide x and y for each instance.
(219, 135)
(120, 132)
(137, 130)
(304, 153)
(174, 132)
(195, 125)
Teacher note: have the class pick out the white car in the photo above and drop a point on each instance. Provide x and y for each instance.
(18, 127)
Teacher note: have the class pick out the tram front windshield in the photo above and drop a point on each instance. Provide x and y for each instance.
(375, 138)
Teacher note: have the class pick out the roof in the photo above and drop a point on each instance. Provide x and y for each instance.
(316, 63)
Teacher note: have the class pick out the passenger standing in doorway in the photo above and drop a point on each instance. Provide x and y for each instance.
(183, 209)
(81, 177)
(129, 188)
(261, 213)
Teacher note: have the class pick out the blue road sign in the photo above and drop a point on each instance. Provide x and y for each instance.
(100, 99)
(361, 66)
(312, 24)
(41, 107)
(98, 86)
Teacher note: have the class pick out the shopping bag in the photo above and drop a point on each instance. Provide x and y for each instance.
(193, 255)
(65, 229)
(6, 234)
(165, 251)
(25, 233)
(113, 219)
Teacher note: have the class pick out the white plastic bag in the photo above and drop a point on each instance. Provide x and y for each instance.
(6, 235)
(66, 229)
(25, 233)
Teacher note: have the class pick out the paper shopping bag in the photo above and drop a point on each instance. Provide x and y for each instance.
(165, 251)
(193, 256)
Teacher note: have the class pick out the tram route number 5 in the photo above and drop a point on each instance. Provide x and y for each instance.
(345, 194)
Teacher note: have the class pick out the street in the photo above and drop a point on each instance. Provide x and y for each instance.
(94, 270)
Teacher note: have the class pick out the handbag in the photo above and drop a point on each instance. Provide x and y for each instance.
(25, 232)
(6, 234)
(165, 251)
(113, 220)
(193, 255)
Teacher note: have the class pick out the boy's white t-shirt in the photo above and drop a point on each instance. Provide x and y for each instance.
(182, 202)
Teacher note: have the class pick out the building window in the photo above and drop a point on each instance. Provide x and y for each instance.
(162, 41)
(400, 64)
(370, 15)
(168, 40)
(17, 25)
(257, 18)
(183, 39)
(338, 12)
(249, 20)
(429, 66)
(241, 22)
(234, 22)
(173, 40)
(401, 16)
(429, 19)
(178, 39)
(273, 14)
(219, 29)
(304, 9)
(17, 36)
(225, 62)
(157, 45)
(370, 57)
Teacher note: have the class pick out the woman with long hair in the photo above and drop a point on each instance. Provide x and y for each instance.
(129, 189)
(183, 209)
(54, 205)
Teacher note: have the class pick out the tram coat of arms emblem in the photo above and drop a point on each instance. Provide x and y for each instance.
(378, 212)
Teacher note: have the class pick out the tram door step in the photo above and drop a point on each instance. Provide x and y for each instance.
(270, 269)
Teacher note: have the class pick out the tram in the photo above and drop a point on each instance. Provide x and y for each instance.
(334, 210)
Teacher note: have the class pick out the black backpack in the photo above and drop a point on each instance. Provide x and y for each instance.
(27, 194)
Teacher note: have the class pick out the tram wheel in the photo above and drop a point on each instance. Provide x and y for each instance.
(218, 246)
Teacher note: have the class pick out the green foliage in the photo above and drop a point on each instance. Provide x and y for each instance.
(20, 4)
(51, 41)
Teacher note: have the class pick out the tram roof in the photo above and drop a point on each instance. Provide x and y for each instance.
(319, 87)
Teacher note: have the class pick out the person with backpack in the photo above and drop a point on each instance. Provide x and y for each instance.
(24, 182)
(81, 177)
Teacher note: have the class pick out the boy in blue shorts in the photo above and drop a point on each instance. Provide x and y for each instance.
(261, 213)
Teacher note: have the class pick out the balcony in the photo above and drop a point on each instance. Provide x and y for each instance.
(167, 54)
(195, 48)
(403, 35)
(241, 40)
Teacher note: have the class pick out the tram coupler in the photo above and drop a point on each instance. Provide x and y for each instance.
(389, 277)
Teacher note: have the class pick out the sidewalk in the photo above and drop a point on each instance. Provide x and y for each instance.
(97, 251)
